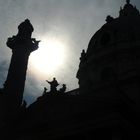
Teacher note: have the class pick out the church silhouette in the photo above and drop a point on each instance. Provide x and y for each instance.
(105, 106)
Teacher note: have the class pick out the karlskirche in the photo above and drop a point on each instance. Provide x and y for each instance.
(107, 103)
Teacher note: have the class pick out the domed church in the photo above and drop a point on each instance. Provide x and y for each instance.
(111, 65)
(109, 70)
(107, 103)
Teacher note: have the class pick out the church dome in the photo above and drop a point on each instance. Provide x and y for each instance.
(113, 54)
(124, 28)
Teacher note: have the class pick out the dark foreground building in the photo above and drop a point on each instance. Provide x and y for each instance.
(107, 103)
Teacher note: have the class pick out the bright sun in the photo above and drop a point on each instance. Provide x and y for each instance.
(49, 57)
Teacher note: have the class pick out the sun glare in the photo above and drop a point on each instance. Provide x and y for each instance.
(49, 57)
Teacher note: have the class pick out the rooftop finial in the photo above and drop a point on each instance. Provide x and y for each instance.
(128, 1)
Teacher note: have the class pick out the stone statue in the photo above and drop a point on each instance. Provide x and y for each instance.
(53, 85)
(128, 1)
(109, 19)
(45, 90)
(83, 55)
(63, 89)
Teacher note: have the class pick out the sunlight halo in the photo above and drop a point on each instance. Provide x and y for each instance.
(49, 57)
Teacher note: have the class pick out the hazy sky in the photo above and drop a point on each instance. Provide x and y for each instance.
(71, 22)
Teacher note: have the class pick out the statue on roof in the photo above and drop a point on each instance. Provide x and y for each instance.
(53, 85)
(45, 91)
(128, 1)
(63, 89)
(83, 55)
(129, 10)
(109, 19)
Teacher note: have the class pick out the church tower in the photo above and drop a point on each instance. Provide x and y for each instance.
(21, 45)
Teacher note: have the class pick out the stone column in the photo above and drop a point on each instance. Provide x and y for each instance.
(21, 45)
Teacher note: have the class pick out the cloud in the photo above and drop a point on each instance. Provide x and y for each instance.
(74, 21)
